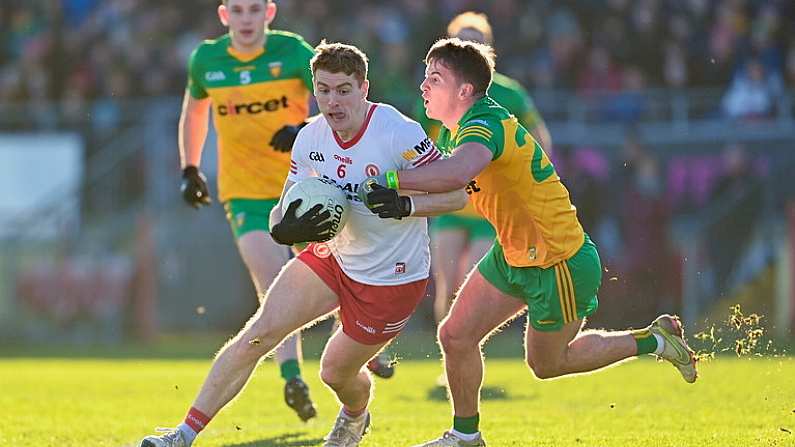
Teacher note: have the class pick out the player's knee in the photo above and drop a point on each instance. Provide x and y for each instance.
(543, 370)
(453, 341)
(334, 375)
(255, 344)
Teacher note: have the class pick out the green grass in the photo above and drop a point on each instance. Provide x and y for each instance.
(114, 402)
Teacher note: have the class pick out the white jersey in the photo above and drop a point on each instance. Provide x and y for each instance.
(369, 249)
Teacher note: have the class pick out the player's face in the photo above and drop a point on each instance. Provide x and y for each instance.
(440, 90)
(341, 100)
(247, 21)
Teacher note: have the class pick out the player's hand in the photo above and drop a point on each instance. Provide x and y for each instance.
(312, 226)
(194, 187)
(387, 203)
(366, 187)
(284, 138)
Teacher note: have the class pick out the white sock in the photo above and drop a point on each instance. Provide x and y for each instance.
(352, 418)
(660, 344)
(188, 432)
(465, 436)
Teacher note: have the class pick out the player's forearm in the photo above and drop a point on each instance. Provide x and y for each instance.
(468, 160)
(435, 204)
(437, 177)
(193, 125)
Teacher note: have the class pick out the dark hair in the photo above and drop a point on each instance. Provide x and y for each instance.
(340, 58)
(472, 62)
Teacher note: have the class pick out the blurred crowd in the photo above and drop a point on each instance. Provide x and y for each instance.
(90, 56)
(629, 202)
(80, 50)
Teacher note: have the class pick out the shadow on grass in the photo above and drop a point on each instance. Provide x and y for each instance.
(295, 439)
(486, 393)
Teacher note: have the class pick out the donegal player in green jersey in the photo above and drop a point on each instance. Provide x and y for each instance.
(542, 260)
(257, 83)
(460, 239)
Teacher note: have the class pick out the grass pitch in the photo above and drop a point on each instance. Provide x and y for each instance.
(114, 402)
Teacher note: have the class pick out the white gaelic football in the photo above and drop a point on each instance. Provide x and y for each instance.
(316, 190)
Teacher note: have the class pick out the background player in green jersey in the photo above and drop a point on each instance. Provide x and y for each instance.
(258, 82)
(460, 239)
(542, 260)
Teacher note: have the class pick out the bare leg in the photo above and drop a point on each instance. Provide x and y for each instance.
(447, 247)
(264, 258)
(478, 310)
(342, 369)
(569, 351)
(296, 298)
(477, 248)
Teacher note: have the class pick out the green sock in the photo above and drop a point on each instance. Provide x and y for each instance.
(290, 368)
(647, 342)
(466, 425)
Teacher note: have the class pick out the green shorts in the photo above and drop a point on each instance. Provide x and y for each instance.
(246, 215)
(555, 295)
(475, 227)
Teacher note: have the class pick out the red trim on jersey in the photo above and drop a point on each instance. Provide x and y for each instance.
(427, 157)
(370, 314)
(436, 156)
(358, 136)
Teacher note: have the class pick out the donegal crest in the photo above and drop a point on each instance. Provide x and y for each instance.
(275, 69)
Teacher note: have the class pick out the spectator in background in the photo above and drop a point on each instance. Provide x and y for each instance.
(736, 207)
(753, 92)
(645, 217)
(791, 65)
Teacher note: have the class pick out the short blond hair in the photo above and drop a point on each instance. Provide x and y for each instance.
(226, 2)
(340, 58)
(474, 20)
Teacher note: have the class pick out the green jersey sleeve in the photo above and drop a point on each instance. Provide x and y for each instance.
(306, 52)
(195, 80)
(483, 130)
(531, 118)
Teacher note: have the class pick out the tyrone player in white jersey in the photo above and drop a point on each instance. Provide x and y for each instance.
(375, 271)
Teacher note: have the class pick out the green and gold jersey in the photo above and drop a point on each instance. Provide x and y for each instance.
(519, 192)
(253, 96)
(509, 94)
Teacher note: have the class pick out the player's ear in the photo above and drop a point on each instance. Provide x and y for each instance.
(365, 87)
(223, 14)
(270, 13)
(466, 90)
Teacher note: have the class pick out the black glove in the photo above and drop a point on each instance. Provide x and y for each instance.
(312, 226)
(284, 138)
(387, 203)
(194, 187)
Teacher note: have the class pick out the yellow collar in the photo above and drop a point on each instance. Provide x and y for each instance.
(244, 57)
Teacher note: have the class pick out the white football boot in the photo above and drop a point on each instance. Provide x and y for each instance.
(676, 349)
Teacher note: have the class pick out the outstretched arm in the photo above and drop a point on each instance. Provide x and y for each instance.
(450, 174)
(434, 204)
(389, 203)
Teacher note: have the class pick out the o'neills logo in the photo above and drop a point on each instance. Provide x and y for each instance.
(366, 328)
(344, 160)
(198, 422)
(336, 216)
